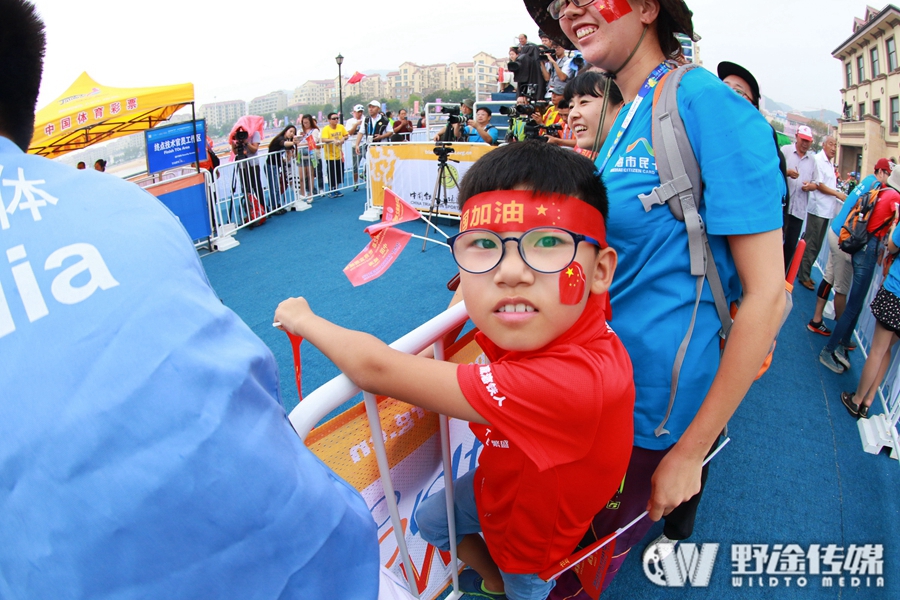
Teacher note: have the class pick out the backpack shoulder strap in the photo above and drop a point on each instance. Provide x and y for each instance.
(681, 187)
(676, 164)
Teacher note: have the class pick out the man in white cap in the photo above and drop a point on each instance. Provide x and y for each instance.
(352, 125)
(801, 172)
(375, 128)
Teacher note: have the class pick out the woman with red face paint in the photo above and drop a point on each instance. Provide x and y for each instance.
(654, 294)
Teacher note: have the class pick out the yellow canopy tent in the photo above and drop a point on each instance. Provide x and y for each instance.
(88, 113)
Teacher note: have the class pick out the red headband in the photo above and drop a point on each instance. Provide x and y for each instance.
(521, 210)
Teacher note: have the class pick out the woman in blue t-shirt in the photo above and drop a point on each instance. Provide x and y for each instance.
(654, 294)
(886, 310)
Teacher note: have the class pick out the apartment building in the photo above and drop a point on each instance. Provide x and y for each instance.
(410, 78)
(272, 102)
(218, 114)
(315, 91)
(869, 127)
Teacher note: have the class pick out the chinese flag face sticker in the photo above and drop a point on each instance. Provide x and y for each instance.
(612, 10)
(571, 284)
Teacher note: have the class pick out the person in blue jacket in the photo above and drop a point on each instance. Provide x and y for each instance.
(145, 451)
(654, 294)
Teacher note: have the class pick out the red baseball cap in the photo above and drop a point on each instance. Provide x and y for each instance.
(805, 133)
(883, 165)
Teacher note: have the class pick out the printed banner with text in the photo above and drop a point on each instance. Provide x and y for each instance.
(411, 169)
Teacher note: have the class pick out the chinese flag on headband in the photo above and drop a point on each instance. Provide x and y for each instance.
(396, 210)
(612, 10)
(356, 78)
(378, 256)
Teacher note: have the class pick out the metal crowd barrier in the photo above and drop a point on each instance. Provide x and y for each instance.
(247, 191)
(339, 390)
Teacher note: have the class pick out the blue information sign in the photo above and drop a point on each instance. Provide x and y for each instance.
(173, 146)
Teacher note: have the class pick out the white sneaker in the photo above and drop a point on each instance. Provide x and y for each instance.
(659, 549)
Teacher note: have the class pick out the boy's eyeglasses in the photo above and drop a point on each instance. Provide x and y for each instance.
(558, 6)
(543, 249)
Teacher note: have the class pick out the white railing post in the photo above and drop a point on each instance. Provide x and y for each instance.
(334, 393)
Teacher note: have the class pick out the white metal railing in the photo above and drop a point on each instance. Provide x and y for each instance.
(249, 190)
(333, 394)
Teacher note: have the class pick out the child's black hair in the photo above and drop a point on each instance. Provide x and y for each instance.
(538, 166)
(592, 83)
(22, 43)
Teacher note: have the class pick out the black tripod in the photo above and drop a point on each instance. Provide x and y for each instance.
(442, 150)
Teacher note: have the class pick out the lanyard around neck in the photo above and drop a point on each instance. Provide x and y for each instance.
(649, 85)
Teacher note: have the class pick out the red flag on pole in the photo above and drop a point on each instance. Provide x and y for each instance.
(377, 256)
(500, 74)
(396, 210)
(356, 78)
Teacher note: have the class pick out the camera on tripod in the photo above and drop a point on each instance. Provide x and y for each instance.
(240, 144)
(442, 149)
(454, 117)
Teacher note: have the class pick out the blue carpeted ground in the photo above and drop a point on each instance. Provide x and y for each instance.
(794, 472)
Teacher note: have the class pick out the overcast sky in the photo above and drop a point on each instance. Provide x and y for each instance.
(231, 50)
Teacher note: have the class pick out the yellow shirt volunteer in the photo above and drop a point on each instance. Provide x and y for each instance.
(337, 133)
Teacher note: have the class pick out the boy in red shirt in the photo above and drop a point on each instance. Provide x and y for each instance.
(554, 406)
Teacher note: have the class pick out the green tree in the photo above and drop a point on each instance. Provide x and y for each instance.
(351, 101)
(449, 95)
(394, 105)
(820, 130)
(777, 126)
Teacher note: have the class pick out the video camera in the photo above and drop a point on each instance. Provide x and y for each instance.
(240, 144)
(453, 115)
(442, 150)
(522, 114)
(546, 52)
(553, 129)
(523, 110)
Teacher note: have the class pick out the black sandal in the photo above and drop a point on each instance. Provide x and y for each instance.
(849, 404)
(863, 411)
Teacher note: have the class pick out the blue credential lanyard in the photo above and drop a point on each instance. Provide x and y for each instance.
(649, 85)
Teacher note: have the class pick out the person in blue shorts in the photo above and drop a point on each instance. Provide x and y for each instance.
(145, 451)
(654, 293)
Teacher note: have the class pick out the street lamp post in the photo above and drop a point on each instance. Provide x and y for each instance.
(340, 60)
